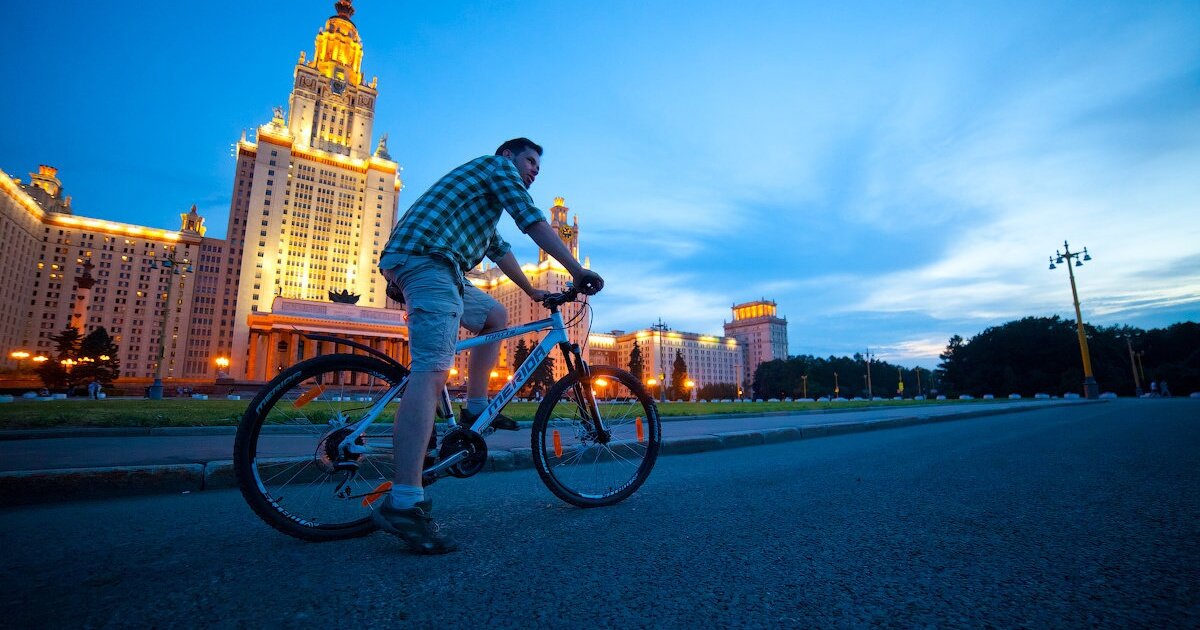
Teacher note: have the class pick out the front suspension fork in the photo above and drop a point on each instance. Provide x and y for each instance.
(583, 389)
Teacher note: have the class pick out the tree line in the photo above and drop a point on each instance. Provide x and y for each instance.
(1026, 357)
(1041, 354)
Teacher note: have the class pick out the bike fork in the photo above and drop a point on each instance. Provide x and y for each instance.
(583, 389)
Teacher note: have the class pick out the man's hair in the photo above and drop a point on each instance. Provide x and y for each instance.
(517, 145)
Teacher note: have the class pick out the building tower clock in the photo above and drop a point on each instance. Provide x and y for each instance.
(568, 232)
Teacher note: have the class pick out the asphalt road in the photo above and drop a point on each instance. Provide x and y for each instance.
(1067, 517)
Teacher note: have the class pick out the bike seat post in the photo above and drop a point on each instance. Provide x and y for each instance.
(445, 409)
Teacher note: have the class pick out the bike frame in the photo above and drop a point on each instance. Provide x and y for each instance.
(557, 336)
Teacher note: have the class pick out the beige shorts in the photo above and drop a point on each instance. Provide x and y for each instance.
(439, 300)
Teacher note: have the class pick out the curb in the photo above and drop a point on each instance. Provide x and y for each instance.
(74, 484)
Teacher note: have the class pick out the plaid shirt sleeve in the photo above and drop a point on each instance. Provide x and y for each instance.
(497, 248)
(506, 184)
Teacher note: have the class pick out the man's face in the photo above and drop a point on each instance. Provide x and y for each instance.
(528, 163)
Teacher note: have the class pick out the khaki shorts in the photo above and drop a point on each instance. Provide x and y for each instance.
(439, 300)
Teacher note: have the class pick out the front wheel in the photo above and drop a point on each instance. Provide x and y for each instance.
(582, 465)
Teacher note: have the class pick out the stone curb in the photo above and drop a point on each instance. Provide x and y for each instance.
(72, 484)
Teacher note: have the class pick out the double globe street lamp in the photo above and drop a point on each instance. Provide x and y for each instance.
(1091, 389)
(173, 268)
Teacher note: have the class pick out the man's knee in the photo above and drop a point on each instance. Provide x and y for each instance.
(497, 318)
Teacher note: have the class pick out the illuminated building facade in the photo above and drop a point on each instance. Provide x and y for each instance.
(312, 205)
(710, 360)
(760, 332)
(67, 270)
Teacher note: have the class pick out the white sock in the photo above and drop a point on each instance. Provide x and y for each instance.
(404, 497)
(477, 405)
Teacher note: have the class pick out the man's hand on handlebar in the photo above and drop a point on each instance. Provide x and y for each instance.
(588, 282)
(538, 295)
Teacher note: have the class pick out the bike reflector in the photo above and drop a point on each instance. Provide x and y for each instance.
(377, 493)
(308, 396)
(640, 433)
(557, 444)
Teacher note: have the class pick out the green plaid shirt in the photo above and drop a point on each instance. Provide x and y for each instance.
(456, 218)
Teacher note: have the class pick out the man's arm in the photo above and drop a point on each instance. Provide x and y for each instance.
(511, 268)
(544, 236)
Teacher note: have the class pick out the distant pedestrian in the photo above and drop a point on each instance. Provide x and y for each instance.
(1163, 389)
(1154, 389)
(93, 389)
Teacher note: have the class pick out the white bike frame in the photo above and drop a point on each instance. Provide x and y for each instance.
(556, 336)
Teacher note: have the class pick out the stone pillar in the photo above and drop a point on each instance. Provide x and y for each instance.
(252, 357)
(272, 350)
(309, 348)
(294, 350)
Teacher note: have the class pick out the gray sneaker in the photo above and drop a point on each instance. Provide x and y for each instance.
(414, 526)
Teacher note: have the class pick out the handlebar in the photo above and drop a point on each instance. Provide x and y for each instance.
(555, 300)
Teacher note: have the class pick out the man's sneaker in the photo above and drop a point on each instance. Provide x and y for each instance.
(414, 526)
(501, 421)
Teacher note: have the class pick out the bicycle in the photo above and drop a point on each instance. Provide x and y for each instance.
(589, 450)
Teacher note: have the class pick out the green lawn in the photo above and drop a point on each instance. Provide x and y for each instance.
(38, 414)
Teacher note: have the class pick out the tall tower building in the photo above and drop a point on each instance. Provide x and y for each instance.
(312, 205)
(761, 334)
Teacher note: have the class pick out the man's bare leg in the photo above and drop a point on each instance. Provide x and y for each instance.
(414, 423)
(483, 358)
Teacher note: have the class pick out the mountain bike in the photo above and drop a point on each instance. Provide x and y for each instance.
(590, 449)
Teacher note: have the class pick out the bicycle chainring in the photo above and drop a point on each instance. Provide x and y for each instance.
(464, 440)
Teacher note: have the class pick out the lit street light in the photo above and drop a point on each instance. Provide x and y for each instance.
(222, 366)
(20, 356)
(1091, 389)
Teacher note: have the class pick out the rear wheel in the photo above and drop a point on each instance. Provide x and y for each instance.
(286, 455)
(582, 466)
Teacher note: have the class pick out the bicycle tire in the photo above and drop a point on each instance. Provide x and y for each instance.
(630, 455)
(271, 501)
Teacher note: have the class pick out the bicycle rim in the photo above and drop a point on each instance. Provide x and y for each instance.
(286, 457)
(579, 466)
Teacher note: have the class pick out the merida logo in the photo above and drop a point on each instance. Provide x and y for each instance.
(523, 373)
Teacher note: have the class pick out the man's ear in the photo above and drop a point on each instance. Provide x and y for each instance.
(507, 153)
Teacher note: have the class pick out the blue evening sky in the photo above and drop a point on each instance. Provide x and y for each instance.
(890, 173)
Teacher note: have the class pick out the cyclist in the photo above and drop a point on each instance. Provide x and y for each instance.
(446, 232)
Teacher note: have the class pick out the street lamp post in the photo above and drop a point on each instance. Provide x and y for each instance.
(804, 383)
(691, 385)
(173, 268)
(870, 395)
(920, 392)
(1137, 383)
(661, 328)
(837, 390)
(1091, 389)
(900, 380)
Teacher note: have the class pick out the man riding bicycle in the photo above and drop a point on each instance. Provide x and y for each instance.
(445, 233)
